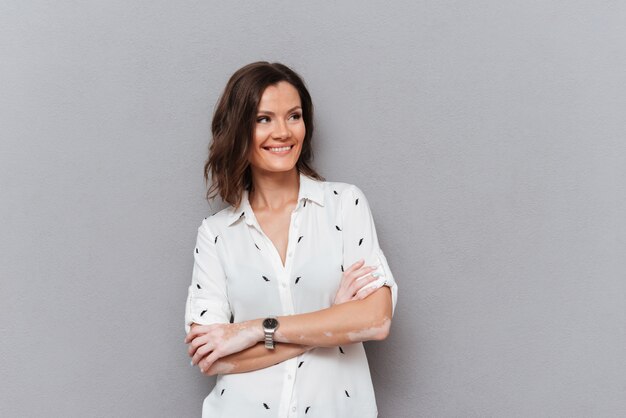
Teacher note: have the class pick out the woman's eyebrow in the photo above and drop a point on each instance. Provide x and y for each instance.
(267, 112)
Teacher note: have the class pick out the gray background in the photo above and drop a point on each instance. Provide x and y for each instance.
(487, 135)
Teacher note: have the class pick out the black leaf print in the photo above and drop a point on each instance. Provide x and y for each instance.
(300, 238)
(305, 203)
(357, 201)
(265, 405)
(213, 213)
(342, 267)
(242, 213)
(216, 239)
(338, 229)
(360, 242)
(335, 191)
(300, 365)
(265, 278)
(341, 350)
(203, 312)
(307, 409)
(298, 279)
(347, 394)
(222, 392)
(257, 247)
(196, 250)
(198, 286)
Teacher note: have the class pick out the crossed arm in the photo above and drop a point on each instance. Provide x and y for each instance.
(237, 348)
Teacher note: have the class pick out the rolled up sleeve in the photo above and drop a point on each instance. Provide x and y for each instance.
(360, 240)
(207, 296)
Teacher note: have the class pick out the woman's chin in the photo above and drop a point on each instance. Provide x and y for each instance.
(274, 168)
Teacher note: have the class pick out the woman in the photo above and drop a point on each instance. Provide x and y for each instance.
(290, 279)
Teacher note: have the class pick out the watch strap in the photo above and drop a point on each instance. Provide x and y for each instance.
(269, 339)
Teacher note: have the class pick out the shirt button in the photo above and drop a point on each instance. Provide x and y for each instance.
(293, 409)
(289, 376)
(289, 254)
(283, 285)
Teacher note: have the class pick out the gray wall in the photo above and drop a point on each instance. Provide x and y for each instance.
(488, 137)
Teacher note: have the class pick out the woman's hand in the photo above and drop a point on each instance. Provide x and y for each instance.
(350, 288)
(211, 342)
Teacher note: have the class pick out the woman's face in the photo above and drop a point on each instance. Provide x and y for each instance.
(279, 130)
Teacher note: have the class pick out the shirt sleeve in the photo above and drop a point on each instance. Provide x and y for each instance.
(207, 297)
(360, 240)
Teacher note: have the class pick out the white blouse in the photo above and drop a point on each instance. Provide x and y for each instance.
(238, 273)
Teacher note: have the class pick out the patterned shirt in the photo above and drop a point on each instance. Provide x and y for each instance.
(238, 274)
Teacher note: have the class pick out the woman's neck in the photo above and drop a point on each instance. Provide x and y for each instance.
(272, 191)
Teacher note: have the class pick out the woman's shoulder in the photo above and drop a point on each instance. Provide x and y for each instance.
(214, 223)
(341, 189)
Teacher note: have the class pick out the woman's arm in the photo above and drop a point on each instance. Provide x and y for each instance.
(350, 322)
(255, 357)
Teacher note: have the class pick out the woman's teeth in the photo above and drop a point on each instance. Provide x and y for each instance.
(279, 149)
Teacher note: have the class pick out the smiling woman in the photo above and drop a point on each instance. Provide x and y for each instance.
(290, 279)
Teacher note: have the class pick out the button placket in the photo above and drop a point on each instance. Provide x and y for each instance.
(292, 236)
(288, 393)
(287, 298)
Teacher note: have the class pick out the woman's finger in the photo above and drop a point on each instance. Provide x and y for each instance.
(355, 266)
(360, 273)
(196, 343)
(201, 353)
(195, 331)
(208, 361)
(347, 276)
(361, 283)
(362, 294)
(364, 270)
(347, 287)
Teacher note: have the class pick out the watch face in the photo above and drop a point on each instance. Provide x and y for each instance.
(270, 323)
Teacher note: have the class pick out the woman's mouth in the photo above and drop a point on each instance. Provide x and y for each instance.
(279, 150)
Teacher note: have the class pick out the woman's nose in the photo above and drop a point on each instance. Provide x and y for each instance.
(281, 130)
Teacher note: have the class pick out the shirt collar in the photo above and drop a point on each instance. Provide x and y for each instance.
(310, 189)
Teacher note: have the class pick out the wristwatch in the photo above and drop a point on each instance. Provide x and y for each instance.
(269, 327)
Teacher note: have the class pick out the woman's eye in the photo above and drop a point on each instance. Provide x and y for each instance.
(262, 119)
(296, 116)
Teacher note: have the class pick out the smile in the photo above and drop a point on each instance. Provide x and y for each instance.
(279, 150)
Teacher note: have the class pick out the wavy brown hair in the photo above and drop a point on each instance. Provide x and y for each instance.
(233, 128)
